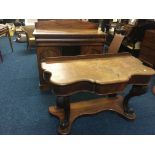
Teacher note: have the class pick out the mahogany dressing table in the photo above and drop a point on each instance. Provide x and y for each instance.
(53, 36)
(101, 74)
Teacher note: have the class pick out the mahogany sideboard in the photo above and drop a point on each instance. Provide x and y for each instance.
(106, 74)
(147, 53)
(54, 35)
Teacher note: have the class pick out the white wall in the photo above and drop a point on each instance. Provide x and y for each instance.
(30, 21)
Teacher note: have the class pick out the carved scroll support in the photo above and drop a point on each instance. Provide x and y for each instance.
(68, 113)
(136, 90)
(42, 53)
(63, 102)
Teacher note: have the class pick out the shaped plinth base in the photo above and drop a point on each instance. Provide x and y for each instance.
(90, 107)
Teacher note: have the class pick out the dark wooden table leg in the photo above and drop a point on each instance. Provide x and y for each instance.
(59, 101)
(9, 37)
(135, 91)
(63, 102)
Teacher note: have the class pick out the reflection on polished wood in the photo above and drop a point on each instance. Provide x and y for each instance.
(51, 36)
(95, 69)
(106, 75)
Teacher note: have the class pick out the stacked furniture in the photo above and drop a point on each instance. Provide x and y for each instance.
(53, 36)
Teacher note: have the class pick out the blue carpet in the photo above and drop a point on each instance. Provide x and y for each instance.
(24, 109)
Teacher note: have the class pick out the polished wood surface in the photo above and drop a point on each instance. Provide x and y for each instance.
(116, 43)
(65, 23)
(101, 74)
(83, 108)
(96, 70)
(101, 70)
(51, 36)
(5, 30)
(147, 53)
(63, 31)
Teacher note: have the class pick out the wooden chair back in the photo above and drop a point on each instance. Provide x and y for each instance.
(115, 44)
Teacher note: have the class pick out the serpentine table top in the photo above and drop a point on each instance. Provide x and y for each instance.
(102, 74)
(97, 69)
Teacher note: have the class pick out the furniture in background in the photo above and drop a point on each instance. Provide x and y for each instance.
(5, 30)
(29, 29)
(122, 29)
(104, 75)
(136, 33)
(16, 22)
(147, 53)
(56, 38)
(115, 44)
(133, 30)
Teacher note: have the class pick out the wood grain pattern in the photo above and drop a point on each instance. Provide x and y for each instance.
(86, 50)
(67, 23)
(90, 107)
(147, 53)
(60, 33)
(102, 73)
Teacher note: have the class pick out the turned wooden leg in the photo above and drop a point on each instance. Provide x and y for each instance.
(135, 91)
(63, 102)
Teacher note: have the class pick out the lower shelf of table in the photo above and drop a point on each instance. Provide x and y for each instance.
(90, 107)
